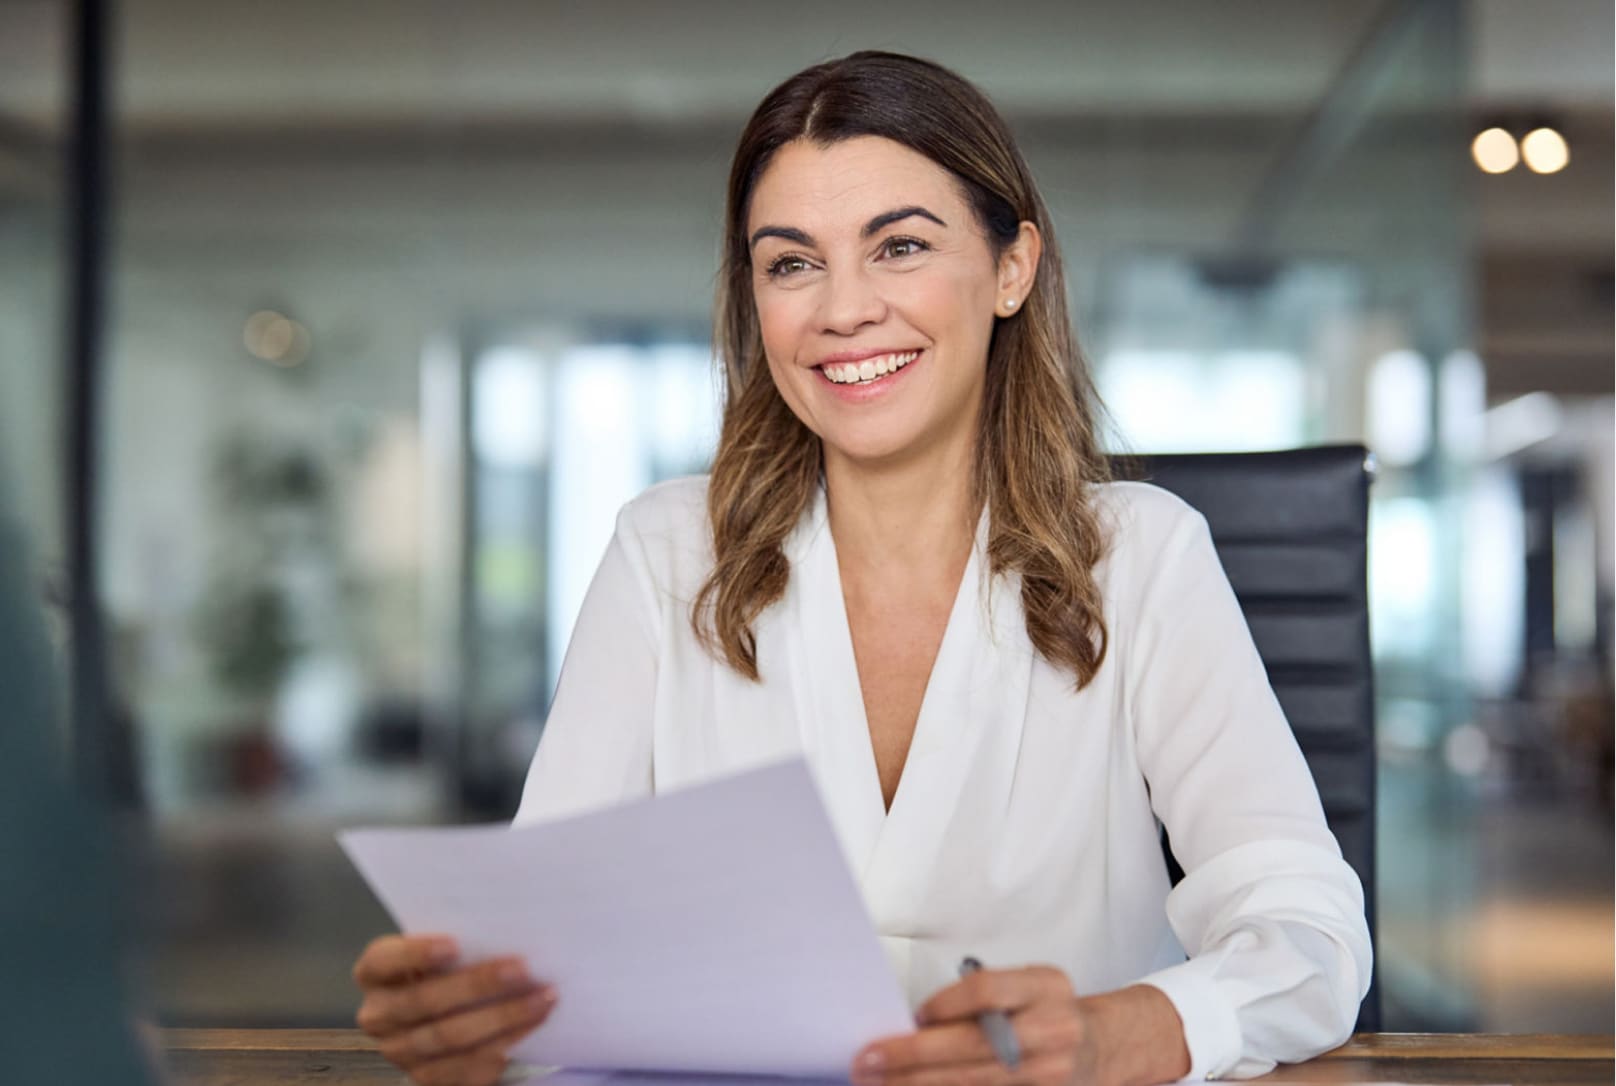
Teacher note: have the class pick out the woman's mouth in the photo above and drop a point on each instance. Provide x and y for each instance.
(869, 370)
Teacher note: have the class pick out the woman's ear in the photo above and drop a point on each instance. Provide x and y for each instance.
(1018, 267)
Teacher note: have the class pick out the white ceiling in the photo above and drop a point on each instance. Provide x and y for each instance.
(244, 62)
(1551, 53)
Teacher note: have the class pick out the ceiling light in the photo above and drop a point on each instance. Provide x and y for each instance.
(1545, 150)
(1494, 151)
(276, 338)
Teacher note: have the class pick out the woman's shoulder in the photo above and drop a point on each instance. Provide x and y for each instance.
(664, 530)
(1154, 540)
(674, 506)
(1137, 512)
(1148, 531)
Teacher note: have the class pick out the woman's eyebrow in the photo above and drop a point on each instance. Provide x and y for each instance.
(889, 217)
(886, 218)
(789, 233)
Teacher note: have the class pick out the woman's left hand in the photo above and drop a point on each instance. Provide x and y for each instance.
(1063, 1038)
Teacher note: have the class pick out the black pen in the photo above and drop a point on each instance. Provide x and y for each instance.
(996, 1024)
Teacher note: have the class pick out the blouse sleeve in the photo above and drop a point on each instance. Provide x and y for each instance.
(596, 747)
(1270, 914)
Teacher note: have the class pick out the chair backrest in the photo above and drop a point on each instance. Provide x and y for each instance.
(1291, 529)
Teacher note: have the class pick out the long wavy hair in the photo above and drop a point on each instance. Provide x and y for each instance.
(1037, 453)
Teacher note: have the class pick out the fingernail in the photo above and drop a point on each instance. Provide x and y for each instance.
(442, 952)
(542, 1000)
(512, 972)
(871, 1061)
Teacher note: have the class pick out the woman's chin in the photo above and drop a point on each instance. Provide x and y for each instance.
(871, 450)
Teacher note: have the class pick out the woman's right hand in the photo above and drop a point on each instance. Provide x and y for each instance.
(443, 1025)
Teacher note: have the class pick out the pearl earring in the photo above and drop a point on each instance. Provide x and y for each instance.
(1009, 303)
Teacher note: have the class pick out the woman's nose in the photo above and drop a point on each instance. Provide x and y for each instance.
(849, 302)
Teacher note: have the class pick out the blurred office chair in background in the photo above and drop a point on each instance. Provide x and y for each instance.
(1291, 529)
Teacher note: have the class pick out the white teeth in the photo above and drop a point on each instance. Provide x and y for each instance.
(868, 370)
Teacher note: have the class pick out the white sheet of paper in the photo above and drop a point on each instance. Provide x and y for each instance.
(713, 929)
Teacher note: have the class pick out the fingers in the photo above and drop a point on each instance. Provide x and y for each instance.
(955, 1042)
(388, 1010)
(394, 959)
(952, 1049)
(441, 1026)
(493, 1025)
(995, 989)
(1039, 1029)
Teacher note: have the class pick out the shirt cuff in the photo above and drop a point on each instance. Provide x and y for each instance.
(1211, 1030)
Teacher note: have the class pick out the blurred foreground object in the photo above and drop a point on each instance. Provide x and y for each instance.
(63, 1016)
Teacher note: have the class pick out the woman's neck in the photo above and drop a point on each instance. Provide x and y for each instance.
(915, 520)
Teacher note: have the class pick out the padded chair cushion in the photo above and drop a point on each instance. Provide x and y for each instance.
(1291, 529)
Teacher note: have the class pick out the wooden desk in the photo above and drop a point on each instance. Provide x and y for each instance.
(247, 1057)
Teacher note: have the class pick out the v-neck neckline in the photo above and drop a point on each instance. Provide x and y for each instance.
(920, 738)
(838, 690)
(967, 734)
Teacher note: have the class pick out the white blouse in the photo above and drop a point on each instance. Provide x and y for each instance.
(1025, 825)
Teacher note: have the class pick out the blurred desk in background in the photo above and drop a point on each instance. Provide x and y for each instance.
(252, 1057)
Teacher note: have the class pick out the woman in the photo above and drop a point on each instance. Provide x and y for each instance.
(909, 566)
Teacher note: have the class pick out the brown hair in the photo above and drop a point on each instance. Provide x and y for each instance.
(1037, 452)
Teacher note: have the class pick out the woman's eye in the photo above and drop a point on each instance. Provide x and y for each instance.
(904, 246)
(786, 265)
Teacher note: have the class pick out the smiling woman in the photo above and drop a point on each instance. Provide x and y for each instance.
(910, 567)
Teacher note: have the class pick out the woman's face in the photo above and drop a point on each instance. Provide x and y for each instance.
(876, 293)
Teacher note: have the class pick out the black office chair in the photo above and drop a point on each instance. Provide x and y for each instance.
(1291, 531)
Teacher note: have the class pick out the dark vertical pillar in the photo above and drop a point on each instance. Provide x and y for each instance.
(1541, 489)
(88, 191)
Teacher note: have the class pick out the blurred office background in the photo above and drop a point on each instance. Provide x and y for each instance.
(407, 296)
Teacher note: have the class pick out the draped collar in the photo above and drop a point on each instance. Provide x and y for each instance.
(970, 720)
